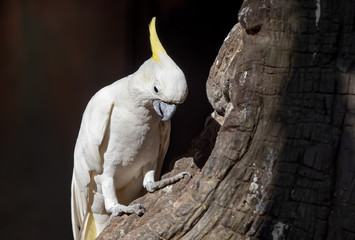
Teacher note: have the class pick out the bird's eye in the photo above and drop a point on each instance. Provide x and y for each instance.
(156, 89)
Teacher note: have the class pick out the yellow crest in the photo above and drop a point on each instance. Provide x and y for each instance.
(155, 44)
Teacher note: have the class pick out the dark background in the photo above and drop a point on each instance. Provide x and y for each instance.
(54, 55)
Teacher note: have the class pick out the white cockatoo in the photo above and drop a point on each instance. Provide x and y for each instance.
(122, 142)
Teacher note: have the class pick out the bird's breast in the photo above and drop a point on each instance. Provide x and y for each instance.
(132, 144)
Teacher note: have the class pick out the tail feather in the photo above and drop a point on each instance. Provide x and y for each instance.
(79, 213)
(89, 231)
(75, 213)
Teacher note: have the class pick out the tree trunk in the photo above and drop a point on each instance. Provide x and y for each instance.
(276, 159)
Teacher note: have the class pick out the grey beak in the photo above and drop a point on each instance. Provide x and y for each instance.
(163, 109)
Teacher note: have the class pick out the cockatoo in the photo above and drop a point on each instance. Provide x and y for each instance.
(122, 142)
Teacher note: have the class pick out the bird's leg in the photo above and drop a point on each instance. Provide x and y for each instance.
(152, 185)
(111, 203)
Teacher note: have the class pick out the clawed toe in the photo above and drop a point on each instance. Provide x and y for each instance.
(140, 210)
(186, 173)
(119, 210)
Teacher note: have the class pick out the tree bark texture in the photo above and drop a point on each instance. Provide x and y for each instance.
(277, 158)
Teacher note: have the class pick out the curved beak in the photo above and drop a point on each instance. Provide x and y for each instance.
(163, 109)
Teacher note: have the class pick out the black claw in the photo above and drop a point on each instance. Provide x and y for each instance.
(140, 213)
(186, 173)
(141, 210)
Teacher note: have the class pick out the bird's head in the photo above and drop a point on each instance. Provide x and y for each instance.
(163, 81)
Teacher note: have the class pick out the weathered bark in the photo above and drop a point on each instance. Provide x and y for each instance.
(282, 165)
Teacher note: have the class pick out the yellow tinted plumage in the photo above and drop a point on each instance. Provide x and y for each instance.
(157, 48)
(91, 232)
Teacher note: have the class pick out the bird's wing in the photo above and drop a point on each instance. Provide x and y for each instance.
(164, 127)
(87, 157)
(93, 128)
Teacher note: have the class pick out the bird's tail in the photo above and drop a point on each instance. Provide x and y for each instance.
(83, 221)
(89, 231)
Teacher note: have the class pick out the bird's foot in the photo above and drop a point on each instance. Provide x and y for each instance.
(119, 210)
(153, 186)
